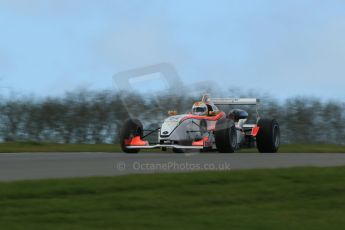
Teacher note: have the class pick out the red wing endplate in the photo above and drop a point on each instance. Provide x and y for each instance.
(255, 131)
(203, 142)
(136, 141)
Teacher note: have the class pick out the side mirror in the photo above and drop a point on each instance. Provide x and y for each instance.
(172, 112)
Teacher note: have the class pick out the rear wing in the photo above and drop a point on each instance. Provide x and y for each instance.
(235, 101)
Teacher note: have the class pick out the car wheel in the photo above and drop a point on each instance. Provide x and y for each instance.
(131, 128)
(268, 138)
(226, 136)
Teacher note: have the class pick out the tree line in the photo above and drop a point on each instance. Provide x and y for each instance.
(96, 116)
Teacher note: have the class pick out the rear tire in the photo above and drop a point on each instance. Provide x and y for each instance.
(268, 138)
(226, 136)
(131, 128)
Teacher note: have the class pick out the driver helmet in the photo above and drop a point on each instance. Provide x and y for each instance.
(199, 109)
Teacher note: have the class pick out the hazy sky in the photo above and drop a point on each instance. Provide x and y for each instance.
(286, 47)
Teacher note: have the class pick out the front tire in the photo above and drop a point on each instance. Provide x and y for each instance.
(226, 136)
(268, 138)
(130, 129)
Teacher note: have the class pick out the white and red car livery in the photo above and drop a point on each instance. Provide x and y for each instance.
(206, 129)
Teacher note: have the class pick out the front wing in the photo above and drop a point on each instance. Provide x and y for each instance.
(137, 143)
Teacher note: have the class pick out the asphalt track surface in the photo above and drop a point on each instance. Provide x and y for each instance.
(23, 166)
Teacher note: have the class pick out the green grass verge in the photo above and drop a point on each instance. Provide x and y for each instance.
(52, 147)
(296, 198)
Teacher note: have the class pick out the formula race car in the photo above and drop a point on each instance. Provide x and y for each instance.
(206, 128)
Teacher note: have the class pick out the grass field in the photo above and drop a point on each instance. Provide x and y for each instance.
(52, 147)
(296, 198)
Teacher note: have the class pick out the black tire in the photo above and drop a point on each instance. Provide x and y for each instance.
(268, 138)
(131, 128)
(226, 136)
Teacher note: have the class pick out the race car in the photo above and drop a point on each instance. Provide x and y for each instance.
(206, 128)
